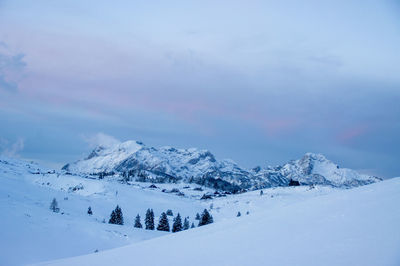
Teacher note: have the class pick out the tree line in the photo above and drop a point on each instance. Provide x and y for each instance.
(116, 217)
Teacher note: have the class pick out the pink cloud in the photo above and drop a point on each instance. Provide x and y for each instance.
(271, 126)
(352, 133)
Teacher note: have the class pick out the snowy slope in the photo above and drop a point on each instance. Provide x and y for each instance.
(135, 161)
(30, 232)
(346, 227)
(28, 226)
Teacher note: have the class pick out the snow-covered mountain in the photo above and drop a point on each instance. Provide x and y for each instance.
(135, 161)
(314, 169)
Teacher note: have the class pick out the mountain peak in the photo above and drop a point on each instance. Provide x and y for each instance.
(135, 161)
(314, 156)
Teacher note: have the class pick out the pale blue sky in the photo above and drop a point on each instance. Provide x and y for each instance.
(261, 82)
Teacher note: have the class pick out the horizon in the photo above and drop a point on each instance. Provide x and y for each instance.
(105, 141)
(259, 83)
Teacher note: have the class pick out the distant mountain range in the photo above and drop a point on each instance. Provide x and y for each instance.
(133, 160)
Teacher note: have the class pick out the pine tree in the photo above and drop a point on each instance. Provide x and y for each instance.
(149, 219)
(197, 216)
(113, 219)
(138, 224)
(118, 213)
(206, 218)
(238, 214)
(177, 225)
(54, 205)
(89, 210)
(186, 224)
(116, 216)
(163, 224)
(193, 226)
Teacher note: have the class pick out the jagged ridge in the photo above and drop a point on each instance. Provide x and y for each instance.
(135, 161)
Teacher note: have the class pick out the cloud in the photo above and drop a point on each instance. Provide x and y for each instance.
(352, 133)
(101, 139)
(7, 85)
(12, 150)
(12, 66)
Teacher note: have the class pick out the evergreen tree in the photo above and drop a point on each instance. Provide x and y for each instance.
(163, 224)
(89, 210)
(177, 225)
(170, 213)
(54, 205)
(239, 214)
(113, 218)
(197, 216)
(193, 226)
(206, 218)
(138, 224)
(116, 216)
(149, 219)
(186, 224)
(118, 213)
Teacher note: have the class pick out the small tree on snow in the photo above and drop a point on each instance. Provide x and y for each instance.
(177, 225)
(113, 218)
(89, 211)
(197, 216)
(54, 205)
(186, 224)
(206, 218)
(120, 218)
(192, 226)
(239, 214)
(163, 224)
(137, 224)
(170, 213)
(261, 193)
(149, 219)
(116, 216)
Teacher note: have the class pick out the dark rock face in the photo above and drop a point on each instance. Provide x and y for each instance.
(294, 183)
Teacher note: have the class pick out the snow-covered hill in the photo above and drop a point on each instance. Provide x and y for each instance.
(30, 232)
(347, 227)
(135, 161)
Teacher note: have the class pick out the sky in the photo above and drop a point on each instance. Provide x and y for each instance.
(259, 82)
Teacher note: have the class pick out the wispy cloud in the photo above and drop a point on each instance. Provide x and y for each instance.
(352, 133)
(11, 68)
(11, 149)
(100, 139)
